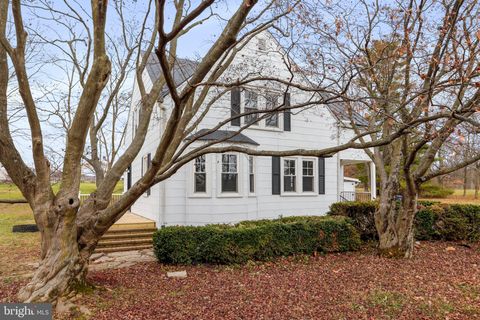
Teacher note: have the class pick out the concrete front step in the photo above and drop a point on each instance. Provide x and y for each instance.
(124, 242)
(132, 226)
(119, 249)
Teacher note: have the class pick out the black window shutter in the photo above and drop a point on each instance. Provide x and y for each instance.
(149, 164)
(287, 114)
(321, 175)
(235, 106)
(275, 175)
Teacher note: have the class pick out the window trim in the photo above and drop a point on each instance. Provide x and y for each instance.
(314, 173)
(299, 177)
(260, 124)
(277, 114)
(208, 179)
(254, 173)
(240, 177)
(262, 44)
(283, 175)
(255, 123)
(195, 173)
(236, 173)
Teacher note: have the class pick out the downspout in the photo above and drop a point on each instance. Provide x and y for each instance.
(339, 166)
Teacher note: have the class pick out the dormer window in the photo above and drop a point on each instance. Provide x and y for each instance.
(262, 44)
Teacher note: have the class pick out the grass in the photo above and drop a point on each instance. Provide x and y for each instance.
(458, 198)
(327, 287)
(20, 249)
(10, 191)
(391, 303)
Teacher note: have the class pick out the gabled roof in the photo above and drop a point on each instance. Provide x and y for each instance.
(184, 68)
(342, 115)
(222, 134)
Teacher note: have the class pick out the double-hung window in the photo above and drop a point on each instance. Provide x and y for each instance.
(251, 105)
(200, 175)
(251, 174)
(289, 175)
(229, 173)
(308, 177)
(271, 119)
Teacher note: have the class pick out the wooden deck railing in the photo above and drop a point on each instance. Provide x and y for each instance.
(355, 196)
(115, 197)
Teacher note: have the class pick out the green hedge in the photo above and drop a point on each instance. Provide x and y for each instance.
(434, 191)
(254, 240)
(434, 221)
(454, 222)
(361, 215)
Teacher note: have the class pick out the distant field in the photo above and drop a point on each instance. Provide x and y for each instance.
(457, 197)
(10, 191)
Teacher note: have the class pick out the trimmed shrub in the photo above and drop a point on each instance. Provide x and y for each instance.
(362, 215)
(254, 240)
(433, 221)
(425, 223)
(434, 191)
(460, 222)
(427, 203)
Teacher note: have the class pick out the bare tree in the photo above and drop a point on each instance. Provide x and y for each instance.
(70, 230)
(412, 60)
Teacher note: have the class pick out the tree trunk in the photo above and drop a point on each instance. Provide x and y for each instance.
(465, 176)
(63, 268)
(394, 221)
(477, 178)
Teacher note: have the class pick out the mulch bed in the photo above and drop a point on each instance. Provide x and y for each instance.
(436, 284)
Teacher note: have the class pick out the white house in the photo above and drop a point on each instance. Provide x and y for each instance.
(3, 174)
(227, 188)
(350, 184)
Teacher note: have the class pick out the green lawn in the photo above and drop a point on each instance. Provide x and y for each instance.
(10, 191)
(22, 248)
(458, 198)
(459, 192)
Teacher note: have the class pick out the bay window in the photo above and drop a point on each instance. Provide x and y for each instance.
(200, 175)
(289, 175)
(308, 177)
(251, 174)
(229, 175)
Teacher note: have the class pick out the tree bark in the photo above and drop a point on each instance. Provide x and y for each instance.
(477, 178)
(63, 267)
(394, 221)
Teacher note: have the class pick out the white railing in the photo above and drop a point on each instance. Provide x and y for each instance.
(84, 196)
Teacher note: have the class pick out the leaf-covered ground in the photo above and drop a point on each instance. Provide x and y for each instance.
(439, 283)
(436, 284)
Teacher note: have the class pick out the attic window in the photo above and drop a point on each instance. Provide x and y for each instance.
(262, 44)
